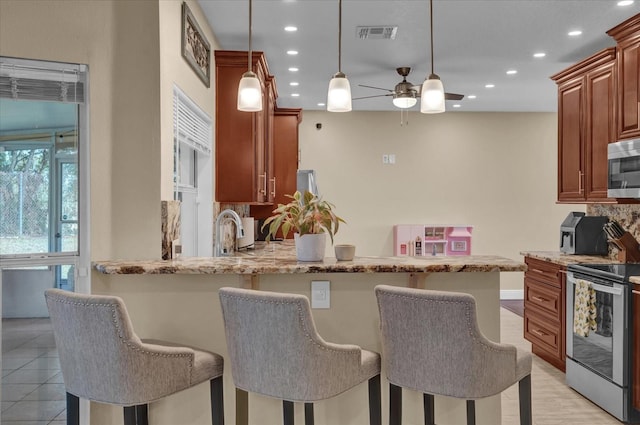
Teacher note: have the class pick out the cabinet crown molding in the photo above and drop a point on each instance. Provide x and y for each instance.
(592, 62)
(625, 29)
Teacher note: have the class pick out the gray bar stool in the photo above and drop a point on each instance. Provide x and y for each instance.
(103, 360)
(431, 343)
(275, 350)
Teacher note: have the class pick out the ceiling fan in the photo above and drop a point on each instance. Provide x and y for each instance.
(405, 94)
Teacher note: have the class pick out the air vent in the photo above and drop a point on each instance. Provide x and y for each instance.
(377, 32)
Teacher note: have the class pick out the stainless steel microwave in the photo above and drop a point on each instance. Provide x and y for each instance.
(624, 169)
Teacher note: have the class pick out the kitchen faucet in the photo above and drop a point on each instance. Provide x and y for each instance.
(232, 215)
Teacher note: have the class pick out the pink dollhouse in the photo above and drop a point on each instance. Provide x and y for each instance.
(416, 240)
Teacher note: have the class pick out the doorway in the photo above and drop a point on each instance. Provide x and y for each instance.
(44, 223)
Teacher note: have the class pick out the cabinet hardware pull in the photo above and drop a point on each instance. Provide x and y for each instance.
(635, 292)
(580, 176)
(537, 271)
(539, 332)
(539, 299)
(263, 190)
(273, 192)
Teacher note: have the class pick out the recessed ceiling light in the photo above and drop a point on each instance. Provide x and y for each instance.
(512, 72)
(489, 86)
(321, 104)
(294, 69)
(457, 105)
(292, 52)
(471, 96)
(539, 55)
(295, 94)
(291, 28)
(294, 83)
(625, 2)
(574, 33)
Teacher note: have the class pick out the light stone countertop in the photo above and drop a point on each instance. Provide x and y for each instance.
(563, 259)
(279, 258)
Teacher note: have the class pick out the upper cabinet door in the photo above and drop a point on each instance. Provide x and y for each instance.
(600, 129)
(627, 35)
(570, 141)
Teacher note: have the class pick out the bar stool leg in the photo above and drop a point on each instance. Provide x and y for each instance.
(217, 401)
(429, 412)
(524, 394)
(471, 412)
(73, 410)
(242, 407)
(395, 404)
(375, 402)
(287, 412)
(308, 414)
(130, 415)
(142, 414)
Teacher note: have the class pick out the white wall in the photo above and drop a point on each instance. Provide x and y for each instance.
(495, 171)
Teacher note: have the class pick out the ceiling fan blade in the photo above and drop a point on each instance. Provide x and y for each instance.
(377, 88)
(369, 97)
(453, 96)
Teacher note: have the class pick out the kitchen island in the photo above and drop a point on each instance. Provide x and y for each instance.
(177, 300)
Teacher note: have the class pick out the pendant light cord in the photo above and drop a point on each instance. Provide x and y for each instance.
(250, 12)
(340, 36)
(431, 18)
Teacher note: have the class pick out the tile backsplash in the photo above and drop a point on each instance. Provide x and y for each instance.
(627, 216)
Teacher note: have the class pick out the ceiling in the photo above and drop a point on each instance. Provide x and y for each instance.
(475, 43)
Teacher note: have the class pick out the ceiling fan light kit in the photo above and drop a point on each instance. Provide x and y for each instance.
(249, 89)
(432, 95)
(404, 100)
(339, 94)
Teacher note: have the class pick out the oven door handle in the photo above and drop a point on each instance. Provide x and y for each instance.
(606, 289)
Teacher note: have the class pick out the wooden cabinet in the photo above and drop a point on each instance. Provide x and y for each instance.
(635, 353)
(627, 36)
(243, 139)
(544, 310)
(285, 160)
(586, 125)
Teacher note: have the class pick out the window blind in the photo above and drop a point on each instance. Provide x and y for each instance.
(191, 125)
(26, 80)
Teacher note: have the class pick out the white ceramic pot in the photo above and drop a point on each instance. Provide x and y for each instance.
(310, 247)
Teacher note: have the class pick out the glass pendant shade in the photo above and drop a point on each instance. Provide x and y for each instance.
(404, 101)
(432, 96)
(249, 93)
(339, 96)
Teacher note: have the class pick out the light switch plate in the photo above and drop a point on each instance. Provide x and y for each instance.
(320, 294)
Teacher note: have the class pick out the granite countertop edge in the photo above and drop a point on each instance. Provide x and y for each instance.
(280, 259)
(563, 259)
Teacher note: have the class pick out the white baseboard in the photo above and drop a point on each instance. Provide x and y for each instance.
(512, 294)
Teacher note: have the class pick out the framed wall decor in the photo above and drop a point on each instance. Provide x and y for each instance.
(195, 47)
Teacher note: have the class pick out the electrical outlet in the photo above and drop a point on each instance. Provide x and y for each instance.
(320, 294)
(392, 158)
(385, 159)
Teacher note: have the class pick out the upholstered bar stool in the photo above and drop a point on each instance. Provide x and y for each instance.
(275, 351)
(432, 344)
(103, 360)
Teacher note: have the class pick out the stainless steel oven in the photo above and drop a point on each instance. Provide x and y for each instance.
(598, 344)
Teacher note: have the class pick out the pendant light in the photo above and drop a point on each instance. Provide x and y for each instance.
(339, 96)
(250, 89)
(432, 95)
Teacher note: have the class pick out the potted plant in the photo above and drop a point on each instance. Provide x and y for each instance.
(310, 218)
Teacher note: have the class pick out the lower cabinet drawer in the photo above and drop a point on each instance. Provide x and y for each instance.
(545, 335)
(545, 297)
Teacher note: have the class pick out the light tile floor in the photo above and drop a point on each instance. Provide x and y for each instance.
(33, 393)
(32, 387)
